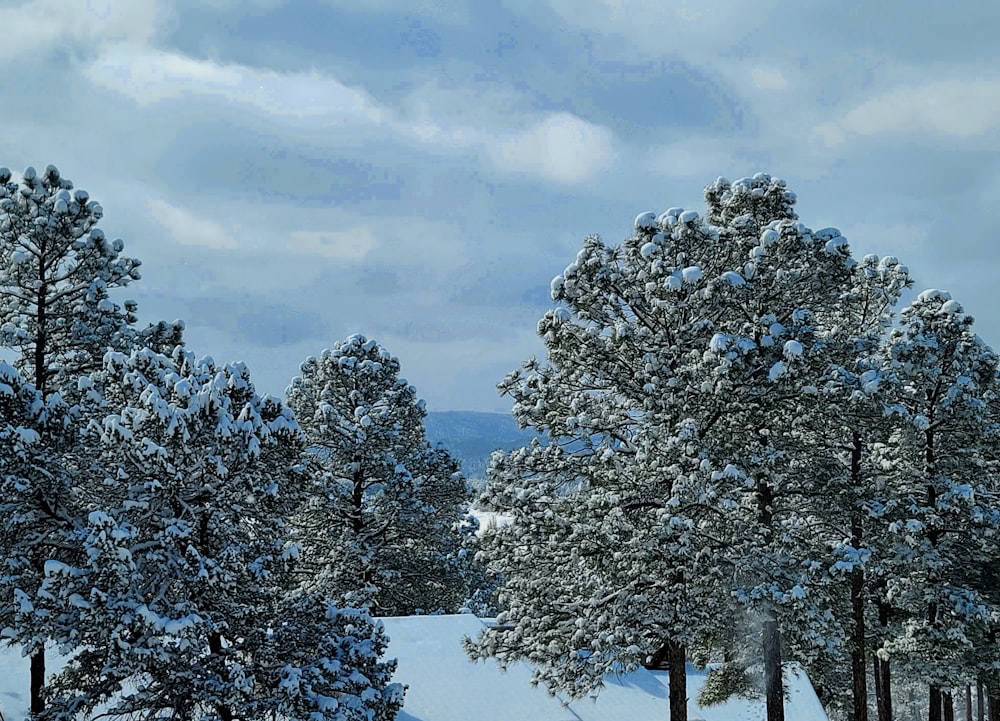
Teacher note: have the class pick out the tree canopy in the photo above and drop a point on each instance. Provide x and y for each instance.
(386, 523)
(723, 397)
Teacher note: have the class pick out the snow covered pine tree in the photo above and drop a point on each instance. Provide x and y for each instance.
(386, 523)
(798, 311)
(938, 506)
(676, 364)
(184, 601)
(36, 509)
(56, 268)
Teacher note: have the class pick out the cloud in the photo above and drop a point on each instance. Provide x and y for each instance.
(955, 108)
(149, 76)
(254, 6)
(353, 244)
(558, 147)
(768, 79)
(561, 147)
(699, 159)
(32, 26)
(696, 30)
(188, 229)
(515, 138)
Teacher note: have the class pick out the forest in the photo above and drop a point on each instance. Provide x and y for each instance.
(751, 446)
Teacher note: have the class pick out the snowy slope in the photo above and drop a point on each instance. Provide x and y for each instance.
(801, 703)
(445, 686)
(14, 680)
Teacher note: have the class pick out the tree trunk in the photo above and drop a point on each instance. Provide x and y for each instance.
(935, 696)
(968, 702)
(215, 648)
(37, 681)
(948, 704)
(934, 692)
(774, 687)
(41, 340)
(934, 703)
(980, 703)
(993, 695)
(41, 325)
(881, 673)
(877, 682)
(677, 669)
(859, 667)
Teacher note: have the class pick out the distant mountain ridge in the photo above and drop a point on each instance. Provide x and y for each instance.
(471, 437)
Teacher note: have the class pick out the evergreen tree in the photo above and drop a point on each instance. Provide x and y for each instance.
(600, 561)
(56, 271)
(938, 504)
(385, 525)
(56, 268)
(683, 370)
(800, 318)
(38, 508)
(183, 600)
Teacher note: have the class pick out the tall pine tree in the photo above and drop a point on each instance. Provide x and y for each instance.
(938, 504)
(682, 368)
(386, 523)
(56, 268)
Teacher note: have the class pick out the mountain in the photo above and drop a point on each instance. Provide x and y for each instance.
(471, 437)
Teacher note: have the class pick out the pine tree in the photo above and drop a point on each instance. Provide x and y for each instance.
(801, 315)
(57, 269)
(604, 565)
(681, 390)
(37, 506)
(385, 525)
(183, 600)
(942, 479)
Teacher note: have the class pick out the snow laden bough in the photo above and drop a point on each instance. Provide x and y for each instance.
(56, 270)
(183, 596)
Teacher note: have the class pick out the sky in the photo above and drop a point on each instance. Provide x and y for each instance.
(294, 172)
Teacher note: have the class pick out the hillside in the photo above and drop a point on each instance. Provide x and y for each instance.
(471, 437)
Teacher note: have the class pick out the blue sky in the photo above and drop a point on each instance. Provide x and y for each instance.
(294, 172)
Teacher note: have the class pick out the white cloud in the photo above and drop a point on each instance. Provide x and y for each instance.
(188, 229)
(561, 147)
(32, 26)
(353, 244)
(253, 6)
(558, 147)
(768, 79)
(956, 108)
(149, 76)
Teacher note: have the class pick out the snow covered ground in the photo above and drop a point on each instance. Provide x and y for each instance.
(445, 686)
(14, 680)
